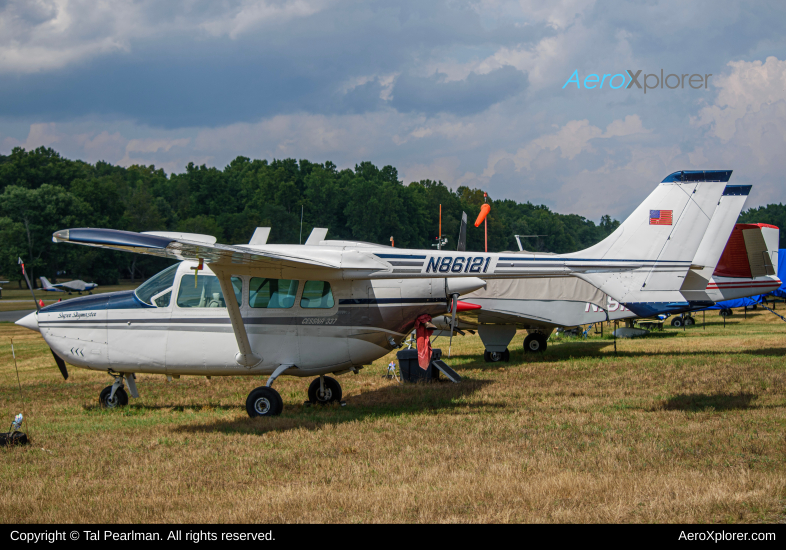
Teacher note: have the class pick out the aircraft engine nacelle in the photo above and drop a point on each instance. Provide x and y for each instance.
(463, 285)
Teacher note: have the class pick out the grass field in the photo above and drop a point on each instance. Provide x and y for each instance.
(682, 426)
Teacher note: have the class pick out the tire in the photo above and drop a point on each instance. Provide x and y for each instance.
(264, 401)
(676, 322)
(506, 356)
(726, 312)
(495, 356)
(689, 321)
(535, 343)
(332, 391)
(119, 400)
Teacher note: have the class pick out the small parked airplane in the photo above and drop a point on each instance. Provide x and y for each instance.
(307, 310)
(738, 261)
(69, 286)
(541, 305)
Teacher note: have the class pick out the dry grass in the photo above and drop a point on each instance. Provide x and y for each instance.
(680, 427)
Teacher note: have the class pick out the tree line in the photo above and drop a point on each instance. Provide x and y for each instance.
(42, 192)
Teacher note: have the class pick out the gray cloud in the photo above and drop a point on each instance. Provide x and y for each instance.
(475, 94)
(465, 91)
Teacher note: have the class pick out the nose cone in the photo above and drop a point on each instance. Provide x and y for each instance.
(29, 321)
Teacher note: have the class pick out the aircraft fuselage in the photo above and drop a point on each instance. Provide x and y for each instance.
(118, 331)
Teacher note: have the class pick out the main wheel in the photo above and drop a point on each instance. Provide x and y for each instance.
(264, 401)
(535, 343)
(119, 400)
(332, 391)
(495, 356)
(689, 321)
(676, 322)
(726, 312)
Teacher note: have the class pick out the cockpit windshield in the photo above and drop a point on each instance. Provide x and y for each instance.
(156, 285)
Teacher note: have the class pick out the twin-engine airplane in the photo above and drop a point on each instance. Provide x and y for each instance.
(306, 310)
(68, 286)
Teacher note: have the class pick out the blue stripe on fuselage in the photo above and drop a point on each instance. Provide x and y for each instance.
(125, 299)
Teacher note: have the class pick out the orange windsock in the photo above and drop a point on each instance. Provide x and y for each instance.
(484, 211)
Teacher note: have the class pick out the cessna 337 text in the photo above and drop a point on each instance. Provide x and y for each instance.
(334, 306)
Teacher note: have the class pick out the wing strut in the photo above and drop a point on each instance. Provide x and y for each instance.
(245, 356)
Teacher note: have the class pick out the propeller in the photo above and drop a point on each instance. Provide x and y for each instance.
(60, 364)
(59, 360)
(453, 308)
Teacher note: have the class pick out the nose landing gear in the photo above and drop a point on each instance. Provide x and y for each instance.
(114, 396)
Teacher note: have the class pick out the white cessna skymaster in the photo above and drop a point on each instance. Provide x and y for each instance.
(307, 310)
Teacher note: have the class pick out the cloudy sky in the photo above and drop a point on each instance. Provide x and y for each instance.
(468, 92)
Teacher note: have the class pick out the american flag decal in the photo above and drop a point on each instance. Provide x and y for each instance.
(660, 217)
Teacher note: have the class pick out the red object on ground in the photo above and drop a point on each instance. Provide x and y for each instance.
(484, 211)
(424, 344)
(466, 306)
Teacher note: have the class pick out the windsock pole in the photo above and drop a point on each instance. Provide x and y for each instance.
(486, 224)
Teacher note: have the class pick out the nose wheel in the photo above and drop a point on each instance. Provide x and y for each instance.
(109, 401)
(324, 390)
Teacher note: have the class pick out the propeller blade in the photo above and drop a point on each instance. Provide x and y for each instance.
(453, 307)
(462, 240)
(60, 364)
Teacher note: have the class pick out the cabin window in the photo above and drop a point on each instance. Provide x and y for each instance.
(162, 300)
(157, 284)
(317, 295)
(206, 292)
(272, 293)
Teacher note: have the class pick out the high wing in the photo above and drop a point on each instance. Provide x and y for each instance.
(164, 246)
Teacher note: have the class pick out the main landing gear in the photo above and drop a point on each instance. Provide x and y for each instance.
(496, 356)
(535, 343)
(265, 401)
(324, 390)
(686, 320)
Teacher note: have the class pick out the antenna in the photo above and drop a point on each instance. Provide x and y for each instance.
(301, 224)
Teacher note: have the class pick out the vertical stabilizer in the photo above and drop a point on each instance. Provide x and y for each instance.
(714, 243)
(662, 236)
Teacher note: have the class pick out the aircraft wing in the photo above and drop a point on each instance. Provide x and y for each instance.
(184, 249)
